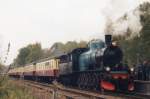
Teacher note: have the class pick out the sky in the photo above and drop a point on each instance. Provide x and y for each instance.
(23, 22)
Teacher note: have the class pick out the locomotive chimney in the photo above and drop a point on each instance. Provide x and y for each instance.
(108, 39)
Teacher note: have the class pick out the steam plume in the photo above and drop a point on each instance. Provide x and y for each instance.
(123, 17)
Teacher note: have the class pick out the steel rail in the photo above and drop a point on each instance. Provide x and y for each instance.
(75, 93)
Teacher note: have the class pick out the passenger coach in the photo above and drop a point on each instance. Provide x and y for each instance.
(43, 70)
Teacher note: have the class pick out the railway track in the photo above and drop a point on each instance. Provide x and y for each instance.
(74, 93)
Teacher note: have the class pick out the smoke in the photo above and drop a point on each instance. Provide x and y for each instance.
(129, 24)
(123, 17)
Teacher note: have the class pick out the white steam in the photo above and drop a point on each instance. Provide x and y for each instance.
(130, 23)
(123, 17)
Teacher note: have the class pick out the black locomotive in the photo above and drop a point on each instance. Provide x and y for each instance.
(97, 67)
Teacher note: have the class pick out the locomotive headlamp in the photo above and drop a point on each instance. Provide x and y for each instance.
(131, 69)
(107, 68)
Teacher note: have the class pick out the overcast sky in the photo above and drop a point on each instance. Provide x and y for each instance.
(47, 21)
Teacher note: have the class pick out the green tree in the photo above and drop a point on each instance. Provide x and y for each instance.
(35, 52)
(28, 54)
(70, 45)
(23, 54)
(137, 48)
(82, 44)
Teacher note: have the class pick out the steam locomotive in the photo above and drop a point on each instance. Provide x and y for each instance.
(97, 67)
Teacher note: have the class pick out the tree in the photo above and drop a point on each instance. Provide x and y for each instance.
(82, 44)
(35, 52)
(23, 54)
(28, 54)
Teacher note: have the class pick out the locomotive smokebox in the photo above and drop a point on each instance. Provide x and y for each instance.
(108, 39)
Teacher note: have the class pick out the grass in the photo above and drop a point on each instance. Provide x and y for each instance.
(8, 90)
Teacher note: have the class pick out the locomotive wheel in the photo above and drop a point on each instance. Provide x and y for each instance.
(96, 84)
(90, 82)
(80, 81)
(86, 81)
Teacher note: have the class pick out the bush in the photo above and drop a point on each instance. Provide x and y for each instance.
(8, 90)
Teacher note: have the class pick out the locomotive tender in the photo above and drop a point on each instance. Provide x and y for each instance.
(97, 67)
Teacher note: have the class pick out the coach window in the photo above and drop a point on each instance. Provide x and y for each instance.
(47, 63)
(43, 66)
(57, 62)
(39, 66)
(52, 64)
